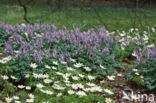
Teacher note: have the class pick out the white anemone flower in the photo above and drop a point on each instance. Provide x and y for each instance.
(55, 62)
(91, 77)
(86, 89)
(31, 96)
(73, 60)
(119, 74)
(26, 34)
(74, 86)
(48, 92)
(15, 97)
(71, 92)
(145, 38)
(30, 100)
(81, 75)
(153, 29)
(58, 87)
(141, 77)
(39, 85)
(47, 66)
(63, 62)
(102, 67)
(54, 68)
(108, 100)
(137, 73)
(70, 69)
(79, 85)
(23, 25)
(75, 78)
(27, 76)
(21, 86)
(33, 65)
(108, 91)
(150, 46)
(135, 70)
(78, 65)
(96, 89)
(5, 77)
(91, 84)
(17, 101)
(8, 58)
(122, 34)
(3, 61)
(27, 87)
(87, 69)
(112, 77)
(13, 77)
(59, 94)
(81, 93)
(47, 81)
(134, 54)
(8, 99)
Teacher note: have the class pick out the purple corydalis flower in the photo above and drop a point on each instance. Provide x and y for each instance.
(8, 48)
(48, 42)
(16, 38)
(105, 52)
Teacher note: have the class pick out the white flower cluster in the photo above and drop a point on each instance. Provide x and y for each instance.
(63, 62)
(58, 87)
(22, 87)
(40, 76)
(5, 60)
(91, 84)
(5, 77)
(108, 91)
(96, 89)
(39, 85)
(48, 92)
(10, 99)
(16, 99)
(137, 73)
(70, 69)
(31, 98)
(81, 93)
(91, 77)
(47, 81)
(87, 69)
(75, 77)
(66, 76)
(59, 73)
(69, 80)
(78, 65)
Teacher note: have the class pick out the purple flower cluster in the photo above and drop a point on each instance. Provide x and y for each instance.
(146, 54)
(39, 41)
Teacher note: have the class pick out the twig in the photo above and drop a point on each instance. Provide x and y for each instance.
(25, 10)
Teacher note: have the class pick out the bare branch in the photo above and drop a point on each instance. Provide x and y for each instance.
(25, 10)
